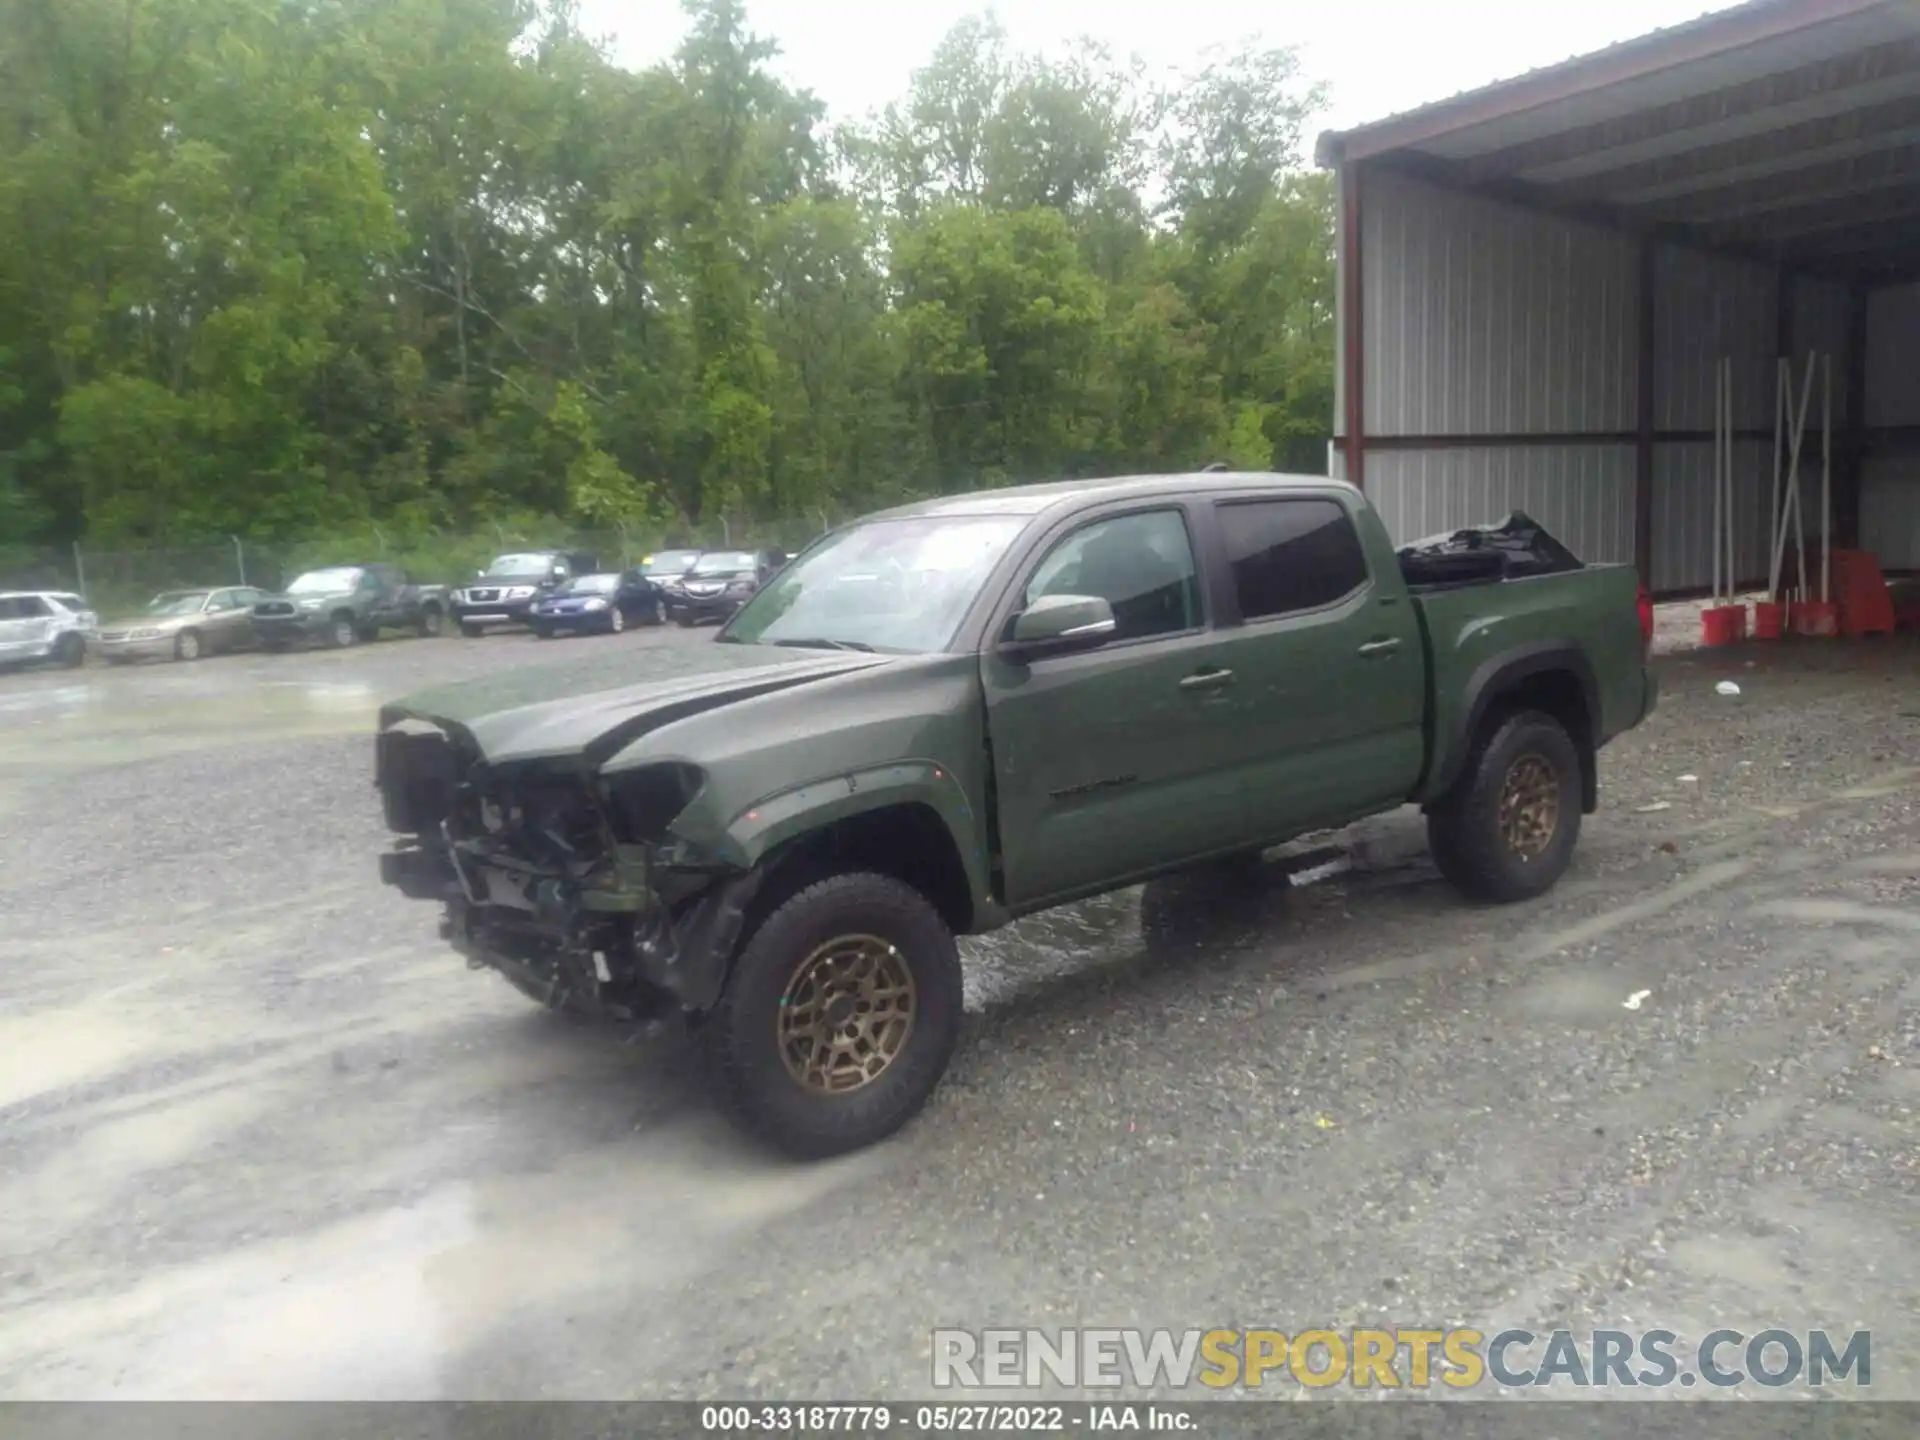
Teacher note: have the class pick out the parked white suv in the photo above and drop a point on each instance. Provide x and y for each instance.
(45, 625)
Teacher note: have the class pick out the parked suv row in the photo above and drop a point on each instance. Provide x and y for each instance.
(547, 591)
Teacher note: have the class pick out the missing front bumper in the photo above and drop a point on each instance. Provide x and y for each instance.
(556, 941)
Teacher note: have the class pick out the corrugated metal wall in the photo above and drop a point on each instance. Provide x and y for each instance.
(1890, 510)
(1683, 512)
(1890, 481)
(1582, 493)
(1706, 307)
(1893, 357)
(1820, 324)
(1485, 321)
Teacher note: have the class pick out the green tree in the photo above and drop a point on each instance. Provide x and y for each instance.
(291, 270)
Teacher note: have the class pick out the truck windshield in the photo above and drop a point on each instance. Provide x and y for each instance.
(178, 602)
(895, 585)
(723, 562)
(325, 582)
(507, 567)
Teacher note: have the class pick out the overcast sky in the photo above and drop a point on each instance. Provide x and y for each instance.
(1378, 56)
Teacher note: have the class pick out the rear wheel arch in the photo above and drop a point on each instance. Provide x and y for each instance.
(1554, 679)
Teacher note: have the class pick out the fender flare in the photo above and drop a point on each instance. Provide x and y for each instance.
(775, 822)
(1496, 675)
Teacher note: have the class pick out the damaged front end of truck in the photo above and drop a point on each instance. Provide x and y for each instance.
(582, 889)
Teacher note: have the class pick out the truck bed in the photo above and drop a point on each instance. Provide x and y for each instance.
(1517, 548)
(1484, 593)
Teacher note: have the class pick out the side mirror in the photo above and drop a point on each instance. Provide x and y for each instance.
(1055, 624)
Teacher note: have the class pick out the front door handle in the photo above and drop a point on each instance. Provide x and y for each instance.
(1207, 680)
(1375, 648)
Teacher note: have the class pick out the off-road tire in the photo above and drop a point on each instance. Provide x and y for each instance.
(741, 1033)
(188, 645)
(432, 621)
(470, 631)
(1465, 831)
(70, 651)
(342, 630)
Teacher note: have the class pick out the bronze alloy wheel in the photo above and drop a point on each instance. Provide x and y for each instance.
(1529, 807)
(846, 1015)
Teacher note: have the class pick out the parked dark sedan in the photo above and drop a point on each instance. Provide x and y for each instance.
(607, 603)
(721, 581)
(668, 569)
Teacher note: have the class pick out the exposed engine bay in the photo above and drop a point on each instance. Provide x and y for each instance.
(572, 886)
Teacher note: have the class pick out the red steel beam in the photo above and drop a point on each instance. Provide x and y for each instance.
(1354, 330)
(1644, 435)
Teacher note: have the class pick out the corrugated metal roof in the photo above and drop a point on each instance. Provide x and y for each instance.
(1714, 129)
(1332, 143)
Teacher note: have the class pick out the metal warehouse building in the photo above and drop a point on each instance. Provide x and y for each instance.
(1538, 279)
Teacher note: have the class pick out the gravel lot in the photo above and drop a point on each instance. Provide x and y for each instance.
(262, 1136)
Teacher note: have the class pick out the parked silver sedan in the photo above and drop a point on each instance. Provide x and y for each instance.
(183, 625)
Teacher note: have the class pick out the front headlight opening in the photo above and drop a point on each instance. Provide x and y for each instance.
(641, 804)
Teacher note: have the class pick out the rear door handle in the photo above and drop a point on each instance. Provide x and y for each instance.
(1378, 647)
(1207, 680)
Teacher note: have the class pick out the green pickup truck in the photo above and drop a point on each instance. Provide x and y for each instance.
(958, 712)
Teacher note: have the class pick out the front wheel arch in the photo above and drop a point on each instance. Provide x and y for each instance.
(905, 840)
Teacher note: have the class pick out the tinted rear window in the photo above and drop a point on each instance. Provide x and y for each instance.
(1291, 555)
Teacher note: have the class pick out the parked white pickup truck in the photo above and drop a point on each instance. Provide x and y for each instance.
(45, 625)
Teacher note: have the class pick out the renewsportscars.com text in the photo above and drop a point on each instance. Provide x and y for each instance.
(1397, 1358)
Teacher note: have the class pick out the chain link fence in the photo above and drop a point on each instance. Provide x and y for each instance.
(119, 579)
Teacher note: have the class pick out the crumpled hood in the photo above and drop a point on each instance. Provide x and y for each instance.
(594, 704)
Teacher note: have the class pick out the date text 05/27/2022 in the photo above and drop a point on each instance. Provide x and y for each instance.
(944, 1418)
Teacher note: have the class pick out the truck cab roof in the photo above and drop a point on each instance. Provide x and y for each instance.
(1038, 499)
